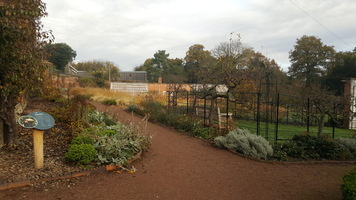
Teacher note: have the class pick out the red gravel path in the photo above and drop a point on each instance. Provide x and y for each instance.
(183, 168)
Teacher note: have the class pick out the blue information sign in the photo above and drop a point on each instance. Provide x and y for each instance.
(44, 120)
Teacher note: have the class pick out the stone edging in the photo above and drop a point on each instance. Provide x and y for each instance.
(97, 170)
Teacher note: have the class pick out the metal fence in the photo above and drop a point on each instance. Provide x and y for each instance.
(274, 116)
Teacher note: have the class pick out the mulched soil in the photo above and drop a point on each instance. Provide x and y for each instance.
(17, 162)
(181, 167)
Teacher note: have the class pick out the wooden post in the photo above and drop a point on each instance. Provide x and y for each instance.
(38, 148)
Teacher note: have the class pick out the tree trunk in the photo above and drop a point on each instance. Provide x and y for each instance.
(195, 103)
(9, 126)
(1, 133)
(321, 124)
(212, 111)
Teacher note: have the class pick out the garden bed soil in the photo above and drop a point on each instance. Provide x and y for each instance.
(17, 162)
(179, 167)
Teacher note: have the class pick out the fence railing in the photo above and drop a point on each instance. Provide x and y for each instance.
(274, 116)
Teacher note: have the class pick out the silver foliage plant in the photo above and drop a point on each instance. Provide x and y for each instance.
(348, 144)
(244, 142)
(124, 144)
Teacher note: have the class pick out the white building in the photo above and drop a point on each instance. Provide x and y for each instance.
(350, 103)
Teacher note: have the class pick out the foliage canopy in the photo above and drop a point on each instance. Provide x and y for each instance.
(60, 54)
(310, 59)
(21, 56)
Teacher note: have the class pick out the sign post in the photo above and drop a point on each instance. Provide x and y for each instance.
(38, 148)
(40, 121)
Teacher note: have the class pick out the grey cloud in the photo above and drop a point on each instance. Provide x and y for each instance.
(128, 32)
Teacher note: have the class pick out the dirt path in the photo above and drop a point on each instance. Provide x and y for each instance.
(181, 167)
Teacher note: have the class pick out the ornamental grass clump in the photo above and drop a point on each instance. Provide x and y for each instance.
(244, 142)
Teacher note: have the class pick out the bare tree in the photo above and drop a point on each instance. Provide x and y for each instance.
(232, 62)
(322, 102)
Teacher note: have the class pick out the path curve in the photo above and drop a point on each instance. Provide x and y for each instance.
(179, 167)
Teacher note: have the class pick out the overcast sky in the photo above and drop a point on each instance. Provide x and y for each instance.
(127, 32)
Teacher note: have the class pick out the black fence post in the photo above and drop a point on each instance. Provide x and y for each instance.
(308, 115)
(277, 118)
(227, 110)
(287, 114)
(235, 114)
(205, 111)
(258, 113)
(268, 105)
(187, 102)
(333, 119)
(169, 100)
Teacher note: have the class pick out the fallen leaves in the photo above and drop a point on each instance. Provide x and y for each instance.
(122, 170)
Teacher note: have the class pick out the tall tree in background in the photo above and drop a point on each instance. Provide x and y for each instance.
(344, 66)
(310, 58)
(261, 68)
(152, 72)
(155, 66)
(232, 62)
(174, 72)
(171, 70)
(197, 60)
(160, 59)
(60, 54)
(21, 57)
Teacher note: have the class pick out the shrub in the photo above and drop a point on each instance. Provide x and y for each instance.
(181, 122)
(348, 188)
(71, 112)
(82, 139)
(184, 123)
(86, 82)
(135, 109)
(348, 145)
(246, 143)
(198, 130)
(96, 117)
(120, 147)
(110, 102)
(292, 149)
(334, 122)
(279, 154)
(306, 146)
(152, 107)
(81, 153)
(115, 150)
(102, 129)
(81, 98)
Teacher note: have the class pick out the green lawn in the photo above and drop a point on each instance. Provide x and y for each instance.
(288, 131)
